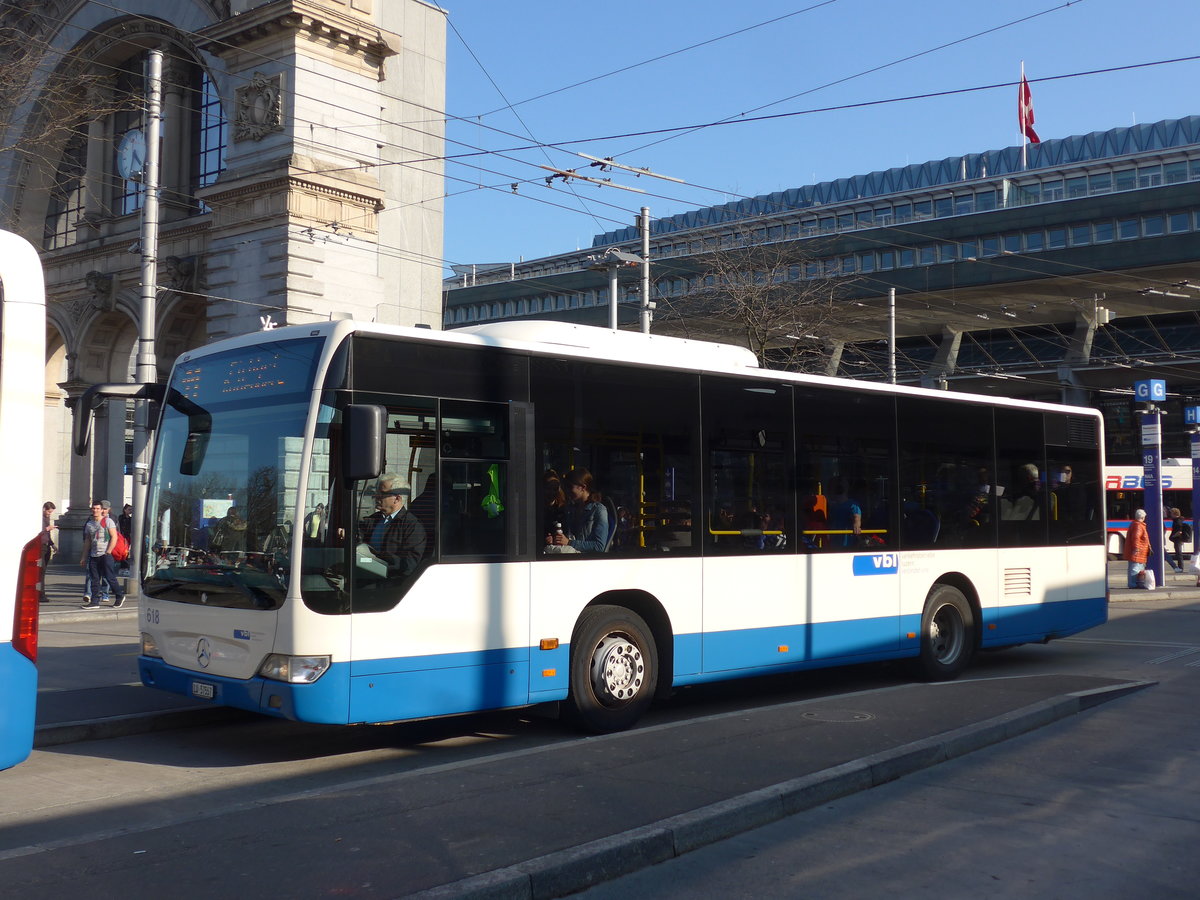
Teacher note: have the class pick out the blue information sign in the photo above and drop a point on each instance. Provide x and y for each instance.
(1152, 481)
(1195, 490)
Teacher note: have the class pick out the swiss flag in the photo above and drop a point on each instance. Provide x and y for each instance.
(1025, 112)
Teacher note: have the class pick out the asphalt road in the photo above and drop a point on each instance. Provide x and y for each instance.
(893, 786)
(1101, 805)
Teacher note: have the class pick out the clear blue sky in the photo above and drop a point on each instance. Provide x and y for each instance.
(503, 52)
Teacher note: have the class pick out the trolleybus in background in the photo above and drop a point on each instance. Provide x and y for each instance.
(1124, 492)
(761, 522)
(22, 398)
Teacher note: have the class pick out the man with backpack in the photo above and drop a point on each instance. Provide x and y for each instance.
(100, 537)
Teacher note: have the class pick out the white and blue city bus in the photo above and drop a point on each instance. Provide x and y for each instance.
(22, 398)
(761, 522)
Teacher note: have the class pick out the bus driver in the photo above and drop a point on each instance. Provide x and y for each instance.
(392, 532)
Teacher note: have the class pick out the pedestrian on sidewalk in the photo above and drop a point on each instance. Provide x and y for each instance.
(99, 536)
(125, 524)
(48, 545)
(101, 588)
(1137, 547)
(1178, 537)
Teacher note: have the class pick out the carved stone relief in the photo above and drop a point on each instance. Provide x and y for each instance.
(259, 107)
(100, 291)
(179, 274)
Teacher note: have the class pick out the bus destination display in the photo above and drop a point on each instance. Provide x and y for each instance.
(264, 370)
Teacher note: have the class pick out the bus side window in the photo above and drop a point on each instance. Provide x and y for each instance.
(945, 474)
(637, 438)
(845, 470)
(748, 445)
(474, 448)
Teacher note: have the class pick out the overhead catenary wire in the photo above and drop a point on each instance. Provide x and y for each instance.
(403, 162)
(562, 145)
(659, 58)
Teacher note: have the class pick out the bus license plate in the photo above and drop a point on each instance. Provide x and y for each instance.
(203, 691)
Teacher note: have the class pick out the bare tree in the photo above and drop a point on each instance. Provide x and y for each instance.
(45, 98)
(770, 296)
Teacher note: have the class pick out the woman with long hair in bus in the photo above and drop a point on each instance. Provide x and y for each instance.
(585, 521)
(554, 500)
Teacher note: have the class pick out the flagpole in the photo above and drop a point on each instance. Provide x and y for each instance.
(1024, 137)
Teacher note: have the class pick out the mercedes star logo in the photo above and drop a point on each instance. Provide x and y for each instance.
(203, 652)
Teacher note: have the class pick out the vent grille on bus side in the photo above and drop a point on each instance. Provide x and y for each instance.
(1071, 431)
(1018, 582)
(1081, 431)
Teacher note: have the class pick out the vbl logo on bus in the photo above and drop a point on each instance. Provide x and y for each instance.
(877, 564)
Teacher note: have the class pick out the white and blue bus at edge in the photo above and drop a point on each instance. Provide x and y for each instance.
(22, 393)
(758, 522)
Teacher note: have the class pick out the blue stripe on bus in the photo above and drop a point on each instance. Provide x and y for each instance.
(18, 678)
(326, 701)
(1038, 621)
(383, 690)
(784, 645)
(441, 661)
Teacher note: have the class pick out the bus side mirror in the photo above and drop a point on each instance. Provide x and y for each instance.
(362, 442)
(196, 445)
(95, 395)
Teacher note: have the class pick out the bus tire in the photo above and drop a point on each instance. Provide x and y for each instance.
(947, 634)
(614, 669)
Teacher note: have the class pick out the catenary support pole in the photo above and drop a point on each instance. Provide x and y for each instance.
(647, 306)
(146, 362)
(612, 295)
(892, 335)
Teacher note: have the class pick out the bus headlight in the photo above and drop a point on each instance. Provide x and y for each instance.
(293, 669)
(150, 647)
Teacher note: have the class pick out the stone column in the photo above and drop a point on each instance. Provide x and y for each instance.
(100, 166)
(175, 168)
(946, 360)
(1079, 352)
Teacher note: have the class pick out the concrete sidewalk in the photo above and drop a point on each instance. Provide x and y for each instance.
(64, 598)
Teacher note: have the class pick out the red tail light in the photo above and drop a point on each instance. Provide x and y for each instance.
(29, 584)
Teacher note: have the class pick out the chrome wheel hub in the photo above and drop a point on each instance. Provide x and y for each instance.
(618, 670)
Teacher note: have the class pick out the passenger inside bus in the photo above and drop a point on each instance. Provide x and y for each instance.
(587, 525)
(554, 502)
(845, 515)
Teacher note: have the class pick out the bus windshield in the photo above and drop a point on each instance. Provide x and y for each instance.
(228, 448)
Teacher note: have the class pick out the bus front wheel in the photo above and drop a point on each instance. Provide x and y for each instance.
(947, 634)
(614, 669)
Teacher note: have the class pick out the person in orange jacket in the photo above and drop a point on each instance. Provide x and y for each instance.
(1137, 546)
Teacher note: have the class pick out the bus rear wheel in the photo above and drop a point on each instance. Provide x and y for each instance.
(947, 634)
(614, 669)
